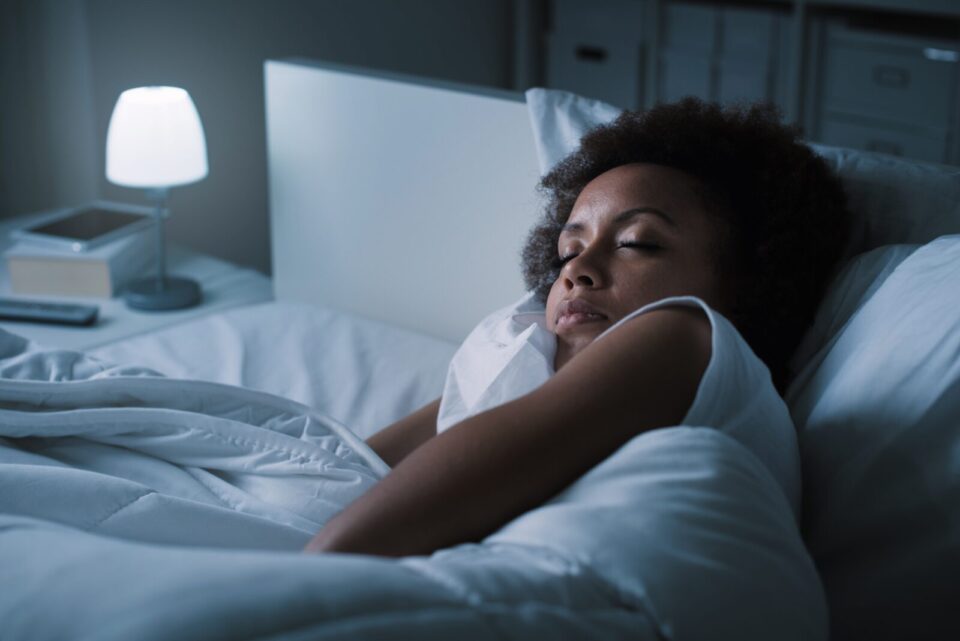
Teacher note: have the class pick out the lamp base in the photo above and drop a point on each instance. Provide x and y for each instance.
(175, 293)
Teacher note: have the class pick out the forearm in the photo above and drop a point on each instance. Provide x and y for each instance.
(467, 482)
(459, 486)
(397, 441)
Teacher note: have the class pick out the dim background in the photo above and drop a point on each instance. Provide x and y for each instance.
(877, 75)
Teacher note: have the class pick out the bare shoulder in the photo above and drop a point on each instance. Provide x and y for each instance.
(681, 322)
(657, 358)
(676, 334)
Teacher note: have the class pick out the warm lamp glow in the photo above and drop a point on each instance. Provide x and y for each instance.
(155, 139)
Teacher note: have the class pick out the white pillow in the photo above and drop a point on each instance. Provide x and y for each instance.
(850, 289)
(507, 355)
(559, 119)
(878, 410)
(893, 200)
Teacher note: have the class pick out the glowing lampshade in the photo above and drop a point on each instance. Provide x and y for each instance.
(155, 139)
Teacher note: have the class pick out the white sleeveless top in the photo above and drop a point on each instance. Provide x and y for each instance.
(511, 353)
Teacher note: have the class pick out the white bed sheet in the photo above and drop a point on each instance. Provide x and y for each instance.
(363, 373)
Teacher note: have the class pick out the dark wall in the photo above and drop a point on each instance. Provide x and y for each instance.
(47, 137)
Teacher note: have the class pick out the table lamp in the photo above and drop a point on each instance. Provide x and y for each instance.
(155, 141)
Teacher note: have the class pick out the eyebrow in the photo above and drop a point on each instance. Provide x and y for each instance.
(625, 216)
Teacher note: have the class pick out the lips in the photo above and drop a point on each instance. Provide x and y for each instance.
(576, 311)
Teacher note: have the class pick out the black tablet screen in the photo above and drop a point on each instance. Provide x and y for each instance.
(87, 224)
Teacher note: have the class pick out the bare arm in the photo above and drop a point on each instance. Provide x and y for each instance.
(395, 442)
(476, 476)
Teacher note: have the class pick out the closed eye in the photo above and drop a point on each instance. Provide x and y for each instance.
(645, 247)
(639, 246)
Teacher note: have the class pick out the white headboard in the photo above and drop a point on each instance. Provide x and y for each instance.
(397, 198)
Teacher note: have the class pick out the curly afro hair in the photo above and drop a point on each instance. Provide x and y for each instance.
(785, 209)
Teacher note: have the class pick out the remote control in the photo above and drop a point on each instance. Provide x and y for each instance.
(12, 309)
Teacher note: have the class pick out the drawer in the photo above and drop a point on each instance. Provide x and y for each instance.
(603, 68)
(932, 146)
(620, 19)
(750, 32)
(690, 27)
(684, 73)
(725, 79)
(892, 82)
(745, 79)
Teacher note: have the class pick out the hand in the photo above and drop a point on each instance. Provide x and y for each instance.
(317, 545)
(322, 542)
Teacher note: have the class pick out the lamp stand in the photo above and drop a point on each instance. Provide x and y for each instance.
(161, 292)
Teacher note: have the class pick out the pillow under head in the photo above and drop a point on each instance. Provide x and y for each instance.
(878, 413)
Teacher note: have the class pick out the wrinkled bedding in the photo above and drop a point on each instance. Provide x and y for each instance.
(138, 507)
(357, 370)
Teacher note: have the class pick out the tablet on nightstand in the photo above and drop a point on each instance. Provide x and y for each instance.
(86, 227)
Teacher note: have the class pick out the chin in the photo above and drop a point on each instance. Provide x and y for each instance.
(577, 337)
(568, 346)
(592, 327)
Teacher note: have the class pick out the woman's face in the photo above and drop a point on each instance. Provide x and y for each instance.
(637, 233)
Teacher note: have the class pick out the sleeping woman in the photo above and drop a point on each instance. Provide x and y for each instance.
(695, 243)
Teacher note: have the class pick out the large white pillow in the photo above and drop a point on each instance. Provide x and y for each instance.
(853, 286)
(878, 412)
(559, 119)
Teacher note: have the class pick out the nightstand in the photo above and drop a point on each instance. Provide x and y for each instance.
(224, 286)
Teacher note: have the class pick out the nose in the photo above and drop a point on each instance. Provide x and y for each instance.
(581, 270)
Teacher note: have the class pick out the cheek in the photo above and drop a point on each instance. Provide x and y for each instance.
(553, 299)
(641, 285)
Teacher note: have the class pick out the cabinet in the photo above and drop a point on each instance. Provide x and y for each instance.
(722, 53)
(597, 49)
(885, 92)
(880, 75)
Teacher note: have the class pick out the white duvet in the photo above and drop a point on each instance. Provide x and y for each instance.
(138, 507)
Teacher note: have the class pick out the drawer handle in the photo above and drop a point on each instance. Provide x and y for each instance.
(885, 147)
(591, 54)
(894, 77)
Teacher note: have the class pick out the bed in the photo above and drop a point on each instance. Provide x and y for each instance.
(161, 486)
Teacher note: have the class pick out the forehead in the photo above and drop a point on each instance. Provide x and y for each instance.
(639, 185)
